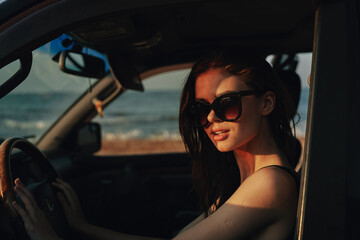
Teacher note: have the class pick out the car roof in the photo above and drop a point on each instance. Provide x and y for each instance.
(157, 33)
(11, 8)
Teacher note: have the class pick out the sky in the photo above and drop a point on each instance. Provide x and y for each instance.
(45, 76)
(304, 68)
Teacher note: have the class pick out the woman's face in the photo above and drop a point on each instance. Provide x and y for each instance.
(228, 136)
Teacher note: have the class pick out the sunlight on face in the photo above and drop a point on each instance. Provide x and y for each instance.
(227, 136)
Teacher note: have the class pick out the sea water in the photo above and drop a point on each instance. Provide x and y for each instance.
(151, 114)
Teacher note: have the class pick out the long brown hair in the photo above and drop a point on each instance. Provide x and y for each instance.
(215, 174)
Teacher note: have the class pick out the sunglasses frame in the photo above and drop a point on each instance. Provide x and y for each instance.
(214, 106)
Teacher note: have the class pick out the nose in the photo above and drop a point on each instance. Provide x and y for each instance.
(212, 117)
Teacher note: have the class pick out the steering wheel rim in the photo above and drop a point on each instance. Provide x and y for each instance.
(45, 194)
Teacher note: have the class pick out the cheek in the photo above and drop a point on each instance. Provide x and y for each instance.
(248, 125)
(207, 131)
(251, 114)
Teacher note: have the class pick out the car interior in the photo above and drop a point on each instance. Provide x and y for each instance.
(113, 48)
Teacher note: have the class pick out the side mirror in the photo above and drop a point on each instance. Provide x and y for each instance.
(81, 64)
(86, 139)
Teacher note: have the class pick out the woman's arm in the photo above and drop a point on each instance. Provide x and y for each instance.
(265, 201)
(38, 227)
(193, 223)
(71, 205)
(36, 224)
(198, 219)
(96, 233)
(265, 204)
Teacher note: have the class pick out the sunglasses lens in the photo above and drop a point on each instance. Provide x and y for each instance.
(230, 108)
(227, 108)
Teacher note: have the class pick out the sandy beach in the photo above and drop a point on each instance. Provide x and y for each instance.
(140, 146)
(143, 146)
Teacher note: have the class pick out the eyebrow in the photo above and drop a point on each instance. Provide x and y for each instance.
(217, 95)
(201, 100)
(228, 91)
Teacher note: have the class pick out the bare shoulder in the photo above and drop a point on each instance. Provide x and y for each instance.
(270, 187)
(265, 204)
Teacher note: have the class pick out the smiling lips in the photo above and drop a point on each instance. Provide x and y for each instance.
(219, 135)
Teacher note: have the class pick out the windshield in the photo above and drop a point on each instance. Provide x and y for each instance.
(30, 109)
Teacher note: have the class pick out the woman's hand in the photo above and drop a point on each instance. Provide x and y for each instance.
(71, 205)
(36, 224)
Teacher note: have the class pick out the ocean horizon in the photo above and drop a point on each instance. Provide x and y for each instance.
(152, 114)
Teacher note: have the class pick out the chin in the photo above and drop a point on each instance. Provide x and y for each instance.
(223, 147)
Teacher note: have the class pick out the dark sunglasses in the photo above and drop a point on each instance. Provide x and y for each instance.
(227, 107)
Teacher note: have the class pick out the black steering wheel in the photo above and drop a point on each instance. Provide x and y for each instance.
(37, 173)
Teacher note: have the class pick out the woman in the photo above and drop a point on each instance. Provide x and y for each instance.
(235, 123)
